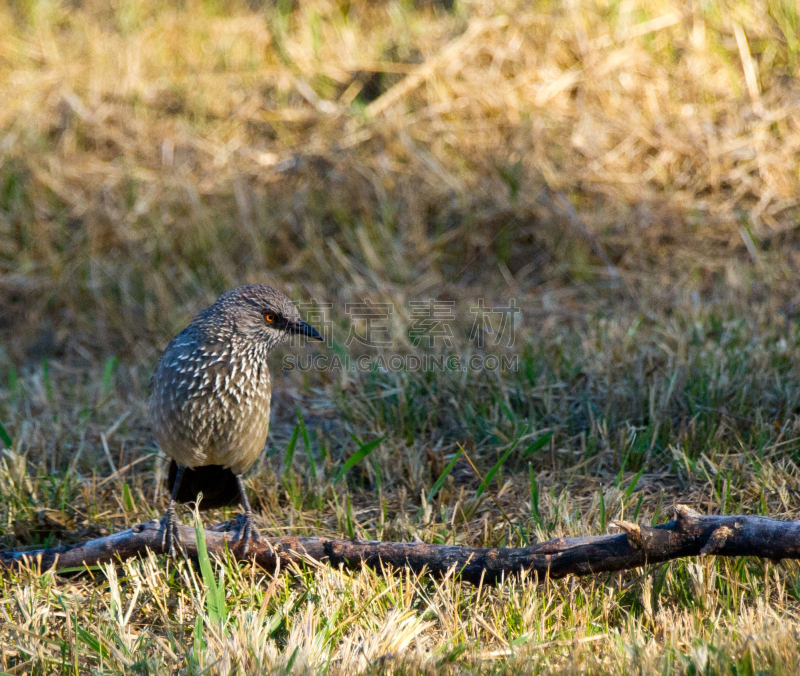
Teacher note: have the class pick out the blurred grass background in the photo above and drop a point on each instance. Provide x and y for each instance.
(153, 156)
(627, 171)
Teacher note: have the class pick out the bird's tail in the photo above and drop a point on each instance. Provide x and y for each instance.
(217, 484)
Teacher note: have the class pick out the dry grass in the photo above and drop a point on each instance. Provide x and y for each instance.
(151, 157)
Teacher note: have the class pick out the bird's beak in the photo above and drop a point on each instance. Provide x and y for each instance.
(301, 328)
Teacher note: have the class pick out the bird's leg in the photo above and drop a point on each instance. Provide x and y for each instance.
(246, 533)
(171, 537)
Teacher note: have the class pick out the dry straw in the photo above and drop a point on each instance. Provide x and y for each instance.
(150, 152)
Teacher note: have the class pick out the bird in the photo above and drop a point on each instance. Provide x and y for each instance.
(210, 398)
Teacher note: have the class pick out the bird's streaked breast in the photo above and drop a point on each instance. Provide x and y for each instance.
(211, 403)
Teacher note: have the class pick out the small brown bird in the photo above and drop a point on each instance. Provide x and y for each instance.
(210, 398)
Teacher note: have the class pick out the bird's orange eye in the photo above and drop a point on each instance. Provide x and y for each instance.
(269, 318)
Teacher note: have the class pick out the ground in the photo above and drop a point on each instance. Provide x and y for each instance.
(626, 173)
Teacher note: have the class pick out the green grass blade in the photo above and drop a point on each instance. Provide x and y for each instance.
(215, 594)
(488, 478)
(5, 437)
(48, 383)
(357, 457)
(351, 532)
(521, 640)
(534, 497)
(89, 640)
(537, 445)
(306, 443)
(632, 485)
(638, 508)
(108, 374)
(602, 512)
(287, 459)
(440, 481)
(199, 641)
(127, 498)
(290, 663)
(13, 379)
(621, 474)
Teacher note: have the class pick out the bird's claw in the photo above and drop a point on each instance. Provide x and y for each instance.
(171, 535)
(246, 531)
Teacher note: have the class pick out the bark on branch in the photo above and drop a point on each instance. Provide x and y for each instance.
(691, 534)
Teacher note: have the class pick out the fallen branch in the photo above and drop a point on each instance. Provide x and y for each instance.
(691, 534)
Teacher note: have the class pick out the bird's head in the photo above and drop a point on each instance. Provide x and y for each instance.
(255, 313)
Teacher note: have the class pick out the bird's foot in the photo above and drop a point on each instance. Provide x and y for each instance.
(171, 538)
(247, 531)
